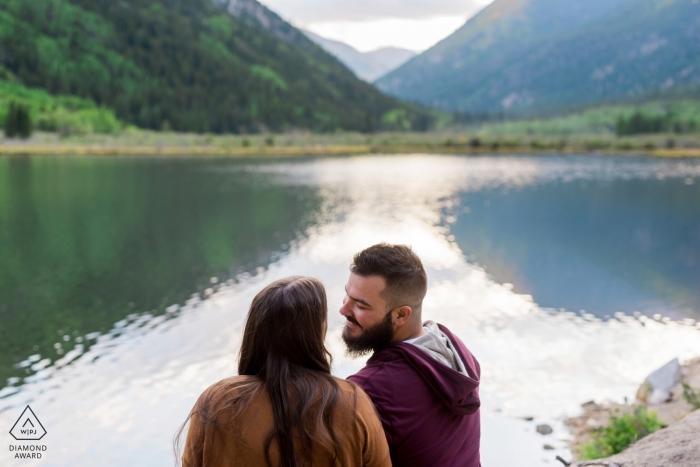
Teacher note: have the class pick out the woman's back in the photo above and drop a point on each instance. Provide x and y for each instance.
(238, 437)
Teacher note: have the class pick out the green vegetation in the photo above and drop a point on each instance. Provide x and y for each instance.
(640, 123)
(622, 431)
(690, 395)
(682, 117)
(78, 122)
(64, 114)
(185, 65)
(18, 122)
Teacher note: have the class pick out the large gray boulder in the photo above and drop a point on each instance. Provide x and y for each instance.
(658, 386)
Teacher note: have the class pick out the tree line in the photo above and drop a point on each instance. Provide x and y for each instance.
(187, 65)
(641, 123)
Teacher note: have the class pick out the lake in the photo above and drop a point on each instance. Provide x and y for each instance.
(124, 281)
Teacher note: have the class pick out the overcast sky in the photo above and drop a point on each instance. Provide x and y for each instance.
(371, 24)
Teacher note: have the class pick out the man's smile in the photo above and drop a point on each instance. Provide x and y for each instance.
(352, 323)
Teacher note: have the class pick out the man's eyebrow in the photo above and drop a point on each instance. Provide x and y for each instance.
(358, 300)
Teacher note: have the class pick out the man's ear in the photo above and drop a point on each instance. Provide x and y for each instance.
(402, 315)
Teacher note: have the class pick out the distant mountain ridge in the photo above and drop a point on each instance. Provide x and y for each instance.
(368, 66)
(533, 56)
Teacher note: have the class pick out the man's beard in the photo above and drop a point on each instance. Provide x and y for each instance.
(372, 339)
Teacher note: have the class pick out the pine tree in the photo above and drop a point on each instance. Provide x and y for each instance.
(24, 122)
(18, 121)
(11, 121)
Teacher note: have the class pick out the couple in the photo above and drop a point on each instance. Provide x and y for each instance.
(285, 409)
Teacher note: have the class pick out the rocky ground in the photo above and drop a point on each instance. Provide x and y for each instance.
(676, 445)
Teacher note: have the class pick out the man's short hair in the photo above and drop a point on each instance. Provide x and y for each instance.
(401, 268)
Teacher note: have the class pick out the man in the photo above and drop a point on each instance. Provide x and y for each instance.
(421, 378)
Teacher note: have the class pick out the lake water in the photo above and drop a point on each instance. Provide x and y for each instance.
(124, 282)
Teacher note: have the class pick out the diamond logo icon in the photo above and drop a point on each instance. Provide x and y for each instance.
(28, 427)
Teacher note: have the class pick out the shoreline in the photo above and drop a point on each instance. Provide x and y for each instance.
(58, 149)
(671, 413)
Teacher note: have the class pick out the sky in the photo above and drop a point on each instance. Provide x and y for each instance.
(371, 24)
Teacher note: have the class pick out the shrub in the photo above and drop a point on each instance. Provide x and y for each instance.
(475, 142)
(511, 143)
(18, 121)
(639, 123)
(690, 395)
(396, 120)
(11, 121)
(596, 145)
(622, 431)
(624, 146)
(642, 123)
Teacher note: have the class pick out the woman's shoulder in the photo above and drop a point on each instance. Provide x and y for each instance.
(226, 388)
(232, 382)
(354, 395)
(346, 386)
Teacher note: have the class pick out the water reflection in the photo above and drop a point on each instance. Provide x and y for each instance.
(590, 244)
(86, 242)
(120, 401)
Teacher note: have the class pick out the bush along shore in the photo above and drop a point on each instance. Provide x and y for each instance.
(136, 141)
(659, 428)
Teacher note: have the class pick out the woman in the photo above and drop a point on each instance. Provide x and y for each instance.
(285, 409)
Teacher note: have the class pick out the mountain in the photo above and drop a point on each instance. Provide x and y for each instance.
(191, 65)
(255, 14)
(539, 56)
(366, 65)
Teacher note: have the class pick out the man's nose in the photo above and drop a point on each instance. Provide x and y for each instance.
(345, 308)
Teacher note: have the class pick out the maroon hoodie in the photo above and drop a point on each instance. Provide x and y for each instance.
(429, 411)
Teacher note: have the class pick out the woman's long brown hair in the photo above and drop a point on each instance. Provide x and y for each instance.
(283, 348)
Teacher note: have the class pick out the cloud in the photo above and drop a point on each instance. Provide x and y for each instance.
(304, 12)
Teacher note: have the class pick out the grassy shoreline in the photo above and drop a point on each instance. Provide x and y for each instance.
(147, 143)
(7, 150)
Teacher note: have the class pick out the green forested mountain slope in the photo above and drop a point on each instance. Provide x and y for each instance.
(526, 57)
(187, 65)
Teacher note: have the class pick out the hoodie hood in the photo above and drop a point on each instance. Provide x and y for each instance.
(456, 388)
(436, 344)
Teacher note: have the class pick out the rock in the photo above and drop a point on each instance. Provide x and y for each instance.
(590, 405)
(658, 386)
(544, 429)
(593, 423)
(549, 447)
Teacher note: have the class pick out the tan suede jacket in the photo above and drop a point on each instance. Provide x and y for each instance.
(356, 425)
